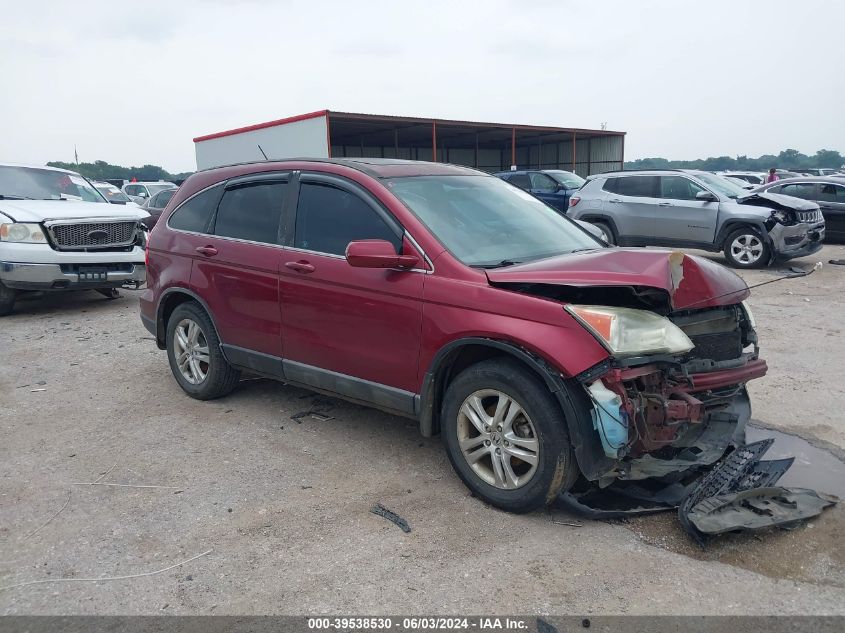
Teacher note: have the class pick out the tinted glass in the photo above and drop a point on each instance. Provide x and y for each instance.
(635, 186)
(485, 222)
(251, 212)
(328, 218)
(132, 190)
(804, 190)
(542, 182)
(163, 198)
(194, 214)
(832, 193)
(520, 180)
(678, 188)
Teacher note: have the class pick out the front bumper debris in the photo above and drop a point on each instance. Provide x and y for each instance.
(737, 494)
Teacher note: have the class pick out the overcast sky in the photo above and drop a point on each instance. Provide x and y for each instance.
(134, 82)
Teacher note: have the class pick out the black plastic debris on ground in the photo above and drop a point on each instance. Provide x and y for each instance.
(737, 494)
(391, 516)
(740, 494)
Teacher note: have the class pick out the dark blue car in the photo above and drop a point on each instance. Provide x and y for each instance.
(552, 186)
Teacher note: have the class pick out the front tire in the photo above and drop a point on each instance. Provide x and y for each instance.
(746, 248)
(7, 299)
(506, 436)
(196, 359)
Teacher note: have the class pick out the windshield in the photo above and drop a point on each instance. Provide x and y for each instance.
(46, 184)
(721, 185)
(566, 178)
(484, 221)
(113, 194)
(153, 189)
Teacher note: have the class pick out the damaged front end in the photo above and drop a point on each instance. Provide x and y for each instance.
(796, 227)
(669, 407)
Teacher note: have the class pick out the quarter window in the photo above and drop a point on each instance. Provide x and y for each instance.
(678, 188)
(251, 212)
(328, 218)
(195, 214)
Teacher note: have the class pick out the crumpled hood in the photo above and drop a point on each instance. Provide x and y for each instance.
(777, 201)
(689, 281)
(40, 210)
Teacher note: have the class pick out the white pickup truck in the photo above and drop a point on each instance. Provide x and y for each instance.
(57, 232)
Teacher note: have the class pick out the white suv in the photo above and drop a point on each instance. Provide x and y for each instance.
(57, 232)
(138, 192)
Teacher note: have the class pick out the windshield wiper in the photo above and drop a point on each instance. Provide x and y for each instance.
(5, 196)
(501, 264)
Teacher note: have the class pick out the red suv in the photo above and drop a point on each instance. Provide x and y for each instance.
(444, 294)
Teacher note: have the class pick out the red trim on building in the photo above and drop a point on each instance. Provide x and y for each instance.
(260, 126)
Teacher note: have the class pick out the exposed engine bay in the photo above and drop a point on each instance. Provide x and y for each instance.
(667, 431)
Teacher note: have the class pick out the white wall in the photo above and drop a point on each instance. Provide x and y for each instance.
(300, 139)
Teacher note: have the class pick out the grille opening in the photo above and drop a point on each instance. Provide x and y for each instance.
(93, 234)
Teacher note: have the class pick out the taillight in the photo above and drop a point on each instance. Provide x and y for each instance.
(573, 201)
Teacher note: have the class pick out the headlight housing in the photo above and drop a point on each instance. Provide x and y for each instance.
(783, 217)
(22, 233)
(630, 332)
(749, 316)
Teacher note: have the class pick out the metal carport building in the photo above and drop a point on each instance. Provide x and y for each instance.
(488, 146)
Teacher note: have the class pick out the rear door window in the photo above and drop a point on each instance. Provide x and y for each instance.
(804, 190)
(251, 211)
(328, 218)
(163, 198)
(832, 193)
(634, 186)
(195, 214)
(520, 180)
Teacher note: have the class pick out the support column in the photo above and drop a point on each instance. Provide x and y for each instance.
(513, 147)
(574, 142)
(434, 141)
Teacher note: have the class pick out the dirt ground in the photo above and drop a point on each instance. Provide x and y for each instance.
(279, 507)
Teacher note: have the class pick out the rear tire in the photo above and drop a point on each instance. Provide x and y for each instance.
(608, 232)
(7, 299)
(196, 360)
(490, 461)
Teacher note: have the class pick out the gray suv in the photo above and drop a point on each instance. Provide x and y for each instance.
(697, 209)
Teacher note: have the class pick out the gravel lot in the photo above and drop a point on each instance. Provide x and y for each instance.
(283, 504)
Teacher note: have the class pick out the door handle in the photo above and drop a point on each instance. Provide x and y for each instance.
(665, 204)
(208, 251)
(301, 267)
(614, 200)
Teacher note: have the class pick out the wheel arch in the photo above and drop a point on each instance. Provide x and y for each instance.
(456, 356)
(599, 217)
(733, 224)
(169, 301)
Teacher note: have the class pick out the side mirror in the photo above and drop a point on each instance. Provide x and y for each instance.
(377, 254)
(142, 194)
(706, 196)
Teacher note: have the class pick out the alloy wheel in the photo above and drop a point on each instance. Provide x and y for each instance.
(190, 349)
(747, 248)
(498, 439)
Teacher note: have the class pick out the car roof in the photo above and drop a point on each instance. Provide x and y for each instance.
(47, 167)
(375, 167)
(808, 179)
(151, 182)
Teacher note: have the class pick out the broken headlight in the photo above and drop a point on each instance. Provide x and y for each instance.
(630, 332)
(783, 217)
(749, 316)
(22, 233)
